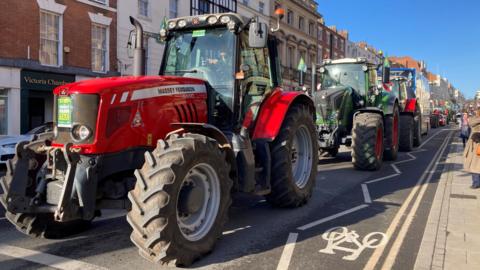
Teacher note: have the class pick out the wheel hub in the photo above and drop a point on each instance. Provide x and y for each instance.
(190, 200)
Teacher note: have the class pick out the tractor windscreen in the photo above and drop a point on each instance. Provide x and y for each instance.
(206, 54)
(351, 75)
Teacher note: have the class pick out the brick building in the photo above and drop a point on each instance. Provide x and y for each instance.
(47, 43)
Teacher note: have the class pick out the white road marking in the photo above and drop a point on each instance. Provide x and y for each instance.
(366, 194)
(392, 255)
(236, 230)
(46, 259)
(395, 168)
(340, 235)
(381, 178)
(396, 220)
(332, 217)
(435, 135)
(287, 252)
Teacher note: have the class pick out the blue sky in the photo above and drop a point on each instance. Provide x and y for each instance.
(444, 33)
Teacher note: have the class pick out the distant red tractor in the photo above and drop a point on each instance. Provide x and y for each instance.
(411, 124)
(214, 122)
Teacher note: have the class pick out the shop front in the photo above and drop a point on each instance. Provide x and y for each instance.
(36, 97)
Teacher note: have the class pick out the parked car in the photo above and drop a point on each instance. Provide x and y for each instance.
(442, 121)
(8, 143)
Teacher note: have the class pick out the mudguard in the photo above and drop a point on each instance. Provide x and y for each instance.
(273, 112)
(410, 105)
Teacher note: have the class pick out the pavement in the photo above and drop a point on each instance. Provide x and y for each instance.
(452, 236)
(389, 219)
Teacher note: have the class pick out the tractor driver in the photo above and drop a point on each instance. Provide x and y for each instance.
(222, 65)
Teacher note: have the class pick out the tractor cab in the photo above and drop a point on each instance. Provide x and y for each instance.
(233, 55)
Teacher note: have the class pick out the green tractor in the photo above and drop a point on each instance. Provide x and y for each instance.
(357, 109)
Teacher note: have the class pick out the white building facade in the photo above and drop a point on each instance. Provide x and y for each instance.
(151, 14)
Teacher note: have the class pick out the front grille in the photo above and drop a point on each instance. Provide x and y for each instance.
(6, 157)
(84, 112)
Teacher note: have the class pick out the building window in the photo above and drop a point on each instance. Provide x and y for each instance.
(300, 23)
(290, 17)
(3, 111)
(335, 42)
(320, 33)
(99, 48)
(320, 54)
(311, 29)
(328, 38)
(103, 2)
(246, 2)
(143, 8)
(50, 41)
(261, 7)
(290, 57)
(174, 7)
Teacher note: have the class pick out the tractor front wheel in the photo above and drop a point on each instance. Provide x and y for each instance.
(367, 141)
(181, 199)
(294, 159)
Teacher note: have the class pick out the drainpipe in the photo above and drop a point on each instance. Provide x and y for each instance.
(139, 50)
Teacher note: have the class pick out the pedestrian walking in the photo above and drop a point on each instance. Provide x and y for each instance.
(464, 129)
(471, 153)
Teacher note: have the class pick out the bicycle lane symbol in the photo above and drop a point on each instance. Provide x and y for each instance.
(340, 238)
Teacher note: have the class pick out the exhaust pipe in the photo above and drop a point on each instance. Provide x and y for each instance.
(139, 50)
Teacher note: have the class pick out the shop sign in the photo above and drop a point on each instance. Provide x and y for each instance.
(34, 80)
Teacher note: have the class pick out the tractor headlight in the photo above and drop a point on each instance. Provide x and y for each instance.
(212, 20)
(172, 25)
(81, 132)
(225, 19)
(182, 23)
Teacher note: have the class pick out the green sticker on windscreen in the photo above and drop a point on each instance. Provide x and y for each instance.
(198, 33)
(64, 117)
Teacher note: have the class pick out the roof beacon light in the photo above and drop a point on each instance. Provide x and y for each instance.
(212, 20)
(172, 24)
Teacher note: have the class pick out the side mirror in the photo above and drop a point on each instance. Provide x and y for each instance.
(131, 44)
(386, 75)
(258, 35)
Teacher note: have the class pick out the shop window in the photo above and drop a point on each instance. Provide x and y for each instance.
(99, 48)
(50, 41)
(3, 111)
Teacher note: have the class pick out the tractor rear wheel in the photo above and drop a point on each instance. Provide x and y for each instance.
(294, 159)
(406, 132)
(367, 141)
(37, 225)
(392, 135)
(417, 135)
(181, 199)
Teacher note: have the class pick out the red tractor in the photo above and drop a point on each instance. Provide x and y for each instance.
(171, 148)
(412, 127)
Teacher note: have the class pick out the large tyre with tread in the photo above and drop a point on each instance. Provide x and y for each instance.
(37, 225)
(367, 141)
(417, 131)
(294, 159)
(181, 199)
(392, 135)
(406, 132)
